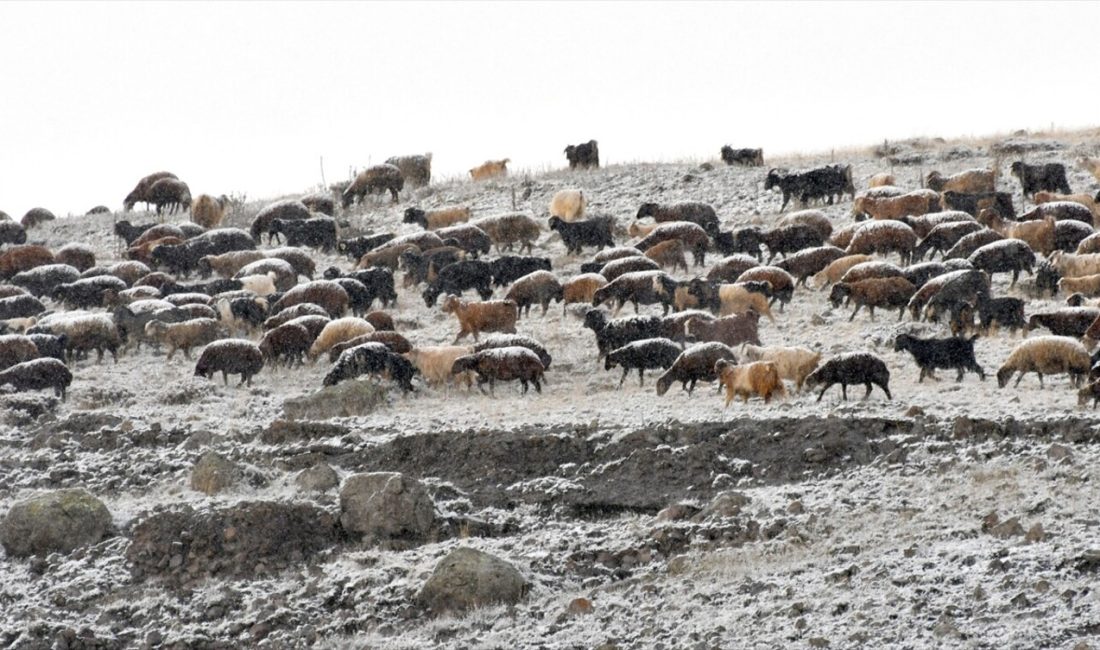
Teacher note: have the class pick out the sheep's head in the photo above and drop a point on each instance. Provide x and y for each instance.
(839, 292)
(646, 210)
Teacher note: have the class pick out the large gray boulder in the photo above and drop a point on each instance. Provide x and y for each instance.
(59, 521)
(386, 506)
(469, 578)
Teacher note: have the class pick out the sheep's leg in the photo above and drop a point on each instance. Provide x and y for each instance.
(641, 377)
(868, 393)
(822, 394)
(885, 390)
(959, 376)
(853, 316)
(626, 371)
(844, 391)
(225, 378)
(523, 382)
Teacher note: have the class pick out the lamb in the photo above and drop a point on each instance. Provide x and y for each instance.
(614, 334)
(887, 293)
(694, 237)
(507, 230)
(503, 364)
(23, 257)
(207, 211)
(416, 168)
(728, 330)
(896, 207)
(1075, 266)
(578, 234)
(757, 378)
(230, 357)
(568, 205)
(374, 180)
(793, 363)
(38, 374)
(695, 364)
(585, 155)
(1006, 255)
(170, 193)
(1067, 321)
(581, 288)
(537, 287)
(883, 238)
(947, 353)
(338, 331)
(971, 181)
(315, 232)
(510, 340)
(849, 369)
(185, 335)
(1090, 201)
(486, 316)
(700, 214)
(288, 342)
(75, 255)
(1046, 355)
(782, 283)
(16, 348)
(372, 358)
(1033, 178)
(809, 261)
(783, 240)
(435, 362)
(468, 237)
(325, 293)
(942, 237)
(836, 269)
(455, 278)
(392, 340)
(615, 268)
(438, 218)
(490, 169)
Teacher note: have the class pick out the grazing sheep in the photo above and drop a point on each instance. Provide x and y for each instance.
(170, 193)
(325, 293)
(842, 236)
(1069, 234)
(728, 330)
(537, 287)
(129, 232)
(38, 374)
(759, 378)
(748, 240)
(313, 324)
(1088, 285)
(971, 181)
(743, 157)
(207, 211)
(967, 244)
(568, 204)
(1067, 321)
(318, 203)
(12, 233)
(695, 364)
(728, 299)
(973, 204)
(356, 247)
(490, 169)
(374, 359)
(374, 180)
(242, 314)
(140, 193)
(50, 345)
(896, 207)
(851, 368)
(1001, 312)
(78, 256)
(296, 311)
(23, 257)
(455, 278)
(793, 363)
(1046, 355)
(503, 364)
(578, 234)
(486, 316)
(228, 264)
(285, 210)
(20, 306)
(920, 274)
(784, 240)
(809, 261)
(642, 355)
(1075, 266)
(144, 252)
(41, 280)
(88, 292)
(636, 229)
(438, 218)
(1004, 256)
(882, 179)
(943, 236)
(616, 268)
(315, 232)
(585, 156)
(701, 214)
(289, 342)
(425, 267)
(947, 353)
(691, 234)
(435, 363)
(230, 357)
(506, 230)
(815, 219)
(925, 223)
(185, 335)
(887, 293)
(970, 286)
(883, 238)
(1033, 178)
(668, 253)
(416, 169)
(836, 269)
(581, 288)
(338, 331)
(84, 332)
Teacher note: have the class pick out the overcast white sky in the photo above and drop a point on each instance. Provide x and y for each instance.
(246, 97)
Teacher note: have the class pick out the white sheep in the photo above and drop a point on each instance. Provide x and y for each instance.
(434, 363)
(1075, 266)
(568, 204)
(794, 363)
(338, 331)
(261, 285)
(1046, 355)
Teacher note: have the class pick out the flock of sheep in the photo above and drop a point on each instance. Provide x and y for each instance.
(199, 285)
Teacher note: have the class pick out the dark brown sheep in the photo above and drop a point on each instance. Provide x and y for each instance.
(883, 238)
(78, 256)
(700, 214)
(503, 364)
(536, 288)
(851, 368)
(230, 357)
(887, 293)
(286, 210)
(292, 312)
(288, 343)
(782, 283)
(729, 269)
(810, 261)
(38, 374)
(374, 180)
(695, 364)
(36, 217)
(693, 235)
(140, 193)
(729, 330)
(392, 340)
(23, 258)
(170, 193)
(16, 348)
(325, 293)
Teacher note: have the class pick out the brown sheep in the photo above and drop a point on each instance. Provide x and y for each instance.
(437, 218)
(16, 348)
(912, 204)
(729, 269)
(537, 287)
(230, 356)
(288, 342)
(815, 219)
(581, 288)
(144, 252)
(1088, 200)
(691, 234)
(871, 270)
(381, 321)
(327, 294)
(923, 224)
(374, 180)
(810, 261)
(338, 331)
(23, 257)
(185, 335)
(1061, 210)
(836, 269)
(508, 229)
(883, 238)
(971, 181)
(1046, 355)
(388, 256)
(668, 254)
(1039, 235)
(78, 256)
(842, 236)
(1090, 244)
(757, 378)
(129, 272)
(728, 330)
(159, 231)
(228, 264)
(140, 193)
(615, 268)
(503, 364)
(616, 253)
(397, 343)
(695, 364)
(290, 313)
(888, 293)
(490, 169)
(207, 211)
(486, 316)
(782, 282)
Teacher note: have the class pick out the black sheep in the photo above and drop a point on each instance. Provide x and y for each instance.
(357, 247)
(458, 277)
(1002, 312)
(851, 368)
(316, 232)
(371, 358)
(617, 333)
(791, 239)
(748, 239)
(512, 340)
(38, 374)
(1034, 178)
(947, 353)
(509, 268)
(585, 156)
(578, 234)
(642, 355)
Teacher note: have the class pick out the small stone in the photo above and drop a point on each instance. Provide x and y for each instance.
(579, 607)
(817, 320)
(677, 512)
(387, 505)
(1021, 600)
(910, 552)
(1035, 534)
(726, 504)
(319, 478)
(818, 642)
(1057, 453)
(914, 411)
(213, 473)
(1008, 529)
(795, 508)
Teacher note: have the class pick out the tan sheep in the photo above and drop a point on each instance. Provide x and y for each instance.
(207, 211)
(581, 288)
(636, 229)
(794, 363)
(906, 205)
(568, 204)
(437, 218)
(882, 179)
(338, 331)
(971, 181)
(434, 363)
(185, 335)
(757, 378)
(736, 299)
(1075, 266)
(487, 316)
(1046, 355)
(1089, 285)
(490, 169)
(508, 229)
(227, 264)
(668, 254)
(1039, 235)
(837, 268)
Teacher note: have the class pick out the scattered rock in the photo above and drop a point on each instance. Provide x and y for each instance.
(55, 522)
(386, 506)
(914, 411)
(795, 508)
(1058, 453)
(677, 512)
(284, 431)
(347, 399)
(319, 478)
(726, 504)
(1035, 534)
(469, 578)
(214, 473)
(992, 525)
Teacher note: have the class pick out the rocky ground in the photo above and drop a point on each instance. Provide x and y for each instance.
(954, 515)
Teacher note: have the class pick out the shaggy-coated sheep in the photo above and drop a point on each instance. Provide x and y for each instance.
(784, 240)
(88, 292)
(581, 288)
(816, 219)
(896, 207)
(578, 234)
(810, 261)
(486, 316)
(782, 283)
(140, 193)
(759, 378)
(886, 293)
(695, 364)
(184, 258)
(731, 330)
(883, 238)
(468, 237)
(296, 311)
(793, 363)
(20, 306)
(38, 374)
(668, 253)
(568, 204)
(743, 157)
(923, 224)
(537, 287)
(288, 342)
(129, 232)
(23, 257)
(694, 237)
(585, 155)
(338, 331)
(435, 363)
(1046, 355)
(748, 240)
(639, 288)
(969, 285)
(511, 340)
(509, 268)
(12, 233)
(1087, 285)
(84, 332)
(230, 357)
(506, 230)
(325, 293)
(392, 340)
(836, 269)
(356, 247)
(374, 180)
(1033, 178)
(425, 267)
(967, 244)
(490, 169)
(1075, 266)
(1001, 312)
(971, 181)
(973, 204)
(286, 210)
(437, 218)
(920, 274)
(947, 353)
(503, 364)
(942, 237)
(1004, 256)
(322, 203)
(1090, 201)
(1060, 211)
(1067, 321)
(851, 368)
(615, 268)
(185, 335)
(16, 348)
(882, 179)
(170, 193)
(50, 345)
(315, 232)
(227, 264)
(416, 169)
(207, 211)
(1069, 234)
(378, 282)
(728, 299)
(616, 253)
(701, 214)
(375, 359)
(458, 277)
(41, 280)
(617, 333)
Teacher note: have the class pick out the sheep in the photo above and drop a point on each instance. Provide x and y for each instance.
(887, 293)
(695, 364)
(1046, 355)
(1091, 391)
(50, 345)
(490, 169)
(509, 268)
(41, 280)
(851, 368)
(782, 283)
(160, 231)
(338, 331)
(882, 179)
(616, 253)
(693, 236)
(700, 214)
(84, 332)
(636, 229)
(78, 256)
(966, 245)
(896, 207)
(288, 342)
(1050, 177)
(21, 306)
(286, 210)
(578, 234)
(639, 288)
(1075, 266)
(1004, 256)
(925, 223)
(744, 157)
(185, 335)
(537, 287)
(503, 364)
(784, 240)
(296, 311)
(128, 272)
(970, 285)
(88, 292)
(793, 363)
(973, 204)
(16, 348)
(128, 232)
(356, 247)
(144, 252)
(970, 181)
(1089, 285)
(17, 325)
(1090, 201)
(615, 268)
(674, 326)
(259, 284)
(1067, 321)
(507, 230)
(810, 261)
(585, 155)
(371, 358)
(581, 288)
(242, 314)
(392, 340)
(568, 204)
(415, 168)
(38, 374)
(12, 233)
(729, 330)
(486, 316)
(617, 333)
(883, 238)
(378, 283)
(435, 362)
(468, 237)
(920, 274)
(315, 232)
(668, 253)
(326, 293)
(374, 180)
(36, 217)
(947, 353)
(1001, 312)
(170, 193)
(438, 218)
(757, 378)
(510, 340)
(23, 257)
(642, 355)
(1069, 234)
(140, 193)
(314, 324)
(207, 211)
(837, 268)
(748, 239)
(131, 319)
(184, 258)
(388, 256)
(1091, 165)
(230, 357)
(943, 236)
(455, 278)
(842, 236)
(728, 299)
(816, 219)
(318, 203)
